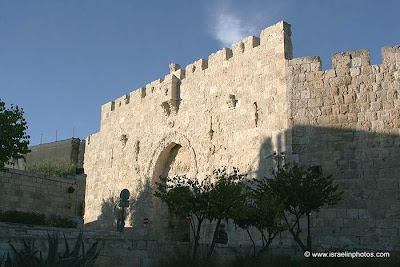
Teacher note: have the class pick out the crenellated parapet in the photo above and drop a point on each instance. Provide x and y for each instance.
(344, 65)
(391, 55)
(351, 72)
(196, 67)
(274, 43)
(166, 91)
(353, 93)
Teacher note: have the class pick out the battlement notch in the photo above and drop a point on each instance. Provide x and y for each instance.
(245, 45)
(217, 59)
(276, 39)
(391, 54)
(196, 67)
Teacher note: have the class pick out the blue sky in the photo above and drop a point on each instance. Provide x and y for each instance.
(61, 60)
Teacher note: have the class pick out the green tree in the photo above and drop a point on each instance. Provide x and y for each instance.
(262, 210)
(227, 198)
(187, 197)
(13, 138)
(216, 197)
(302, 190)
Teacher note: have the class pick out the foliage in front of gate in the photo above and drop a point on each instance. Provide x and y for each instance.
(266, 204)
(215, 198)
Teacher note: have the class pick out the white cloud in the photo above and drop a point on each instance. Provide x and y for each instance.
(229, 24)
(229, 28)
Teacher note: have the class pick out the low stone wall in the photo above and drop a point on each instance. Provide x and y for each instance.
(119, 249)
(30, 192)
(131, 248)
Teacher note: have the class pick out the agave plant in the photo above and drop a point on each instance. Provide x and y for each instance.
(73, 258)
(7, 261)
(78, 257)
(2, 259)
(27, 255)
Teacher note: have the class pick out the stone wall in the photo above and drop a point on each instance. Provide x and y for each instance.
(63, 154)
(30, 192)
(346, 120)
(118, 250)
(190, 122)
(240, 107)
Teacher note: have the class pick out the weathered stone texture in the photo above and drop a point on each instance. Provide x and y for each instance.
(29, 192)
(63, 154)
(239, 107)
(347, 120)
(223, 106)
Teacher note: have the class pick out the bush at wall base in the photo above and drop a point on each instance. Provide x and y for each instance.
(14, 216)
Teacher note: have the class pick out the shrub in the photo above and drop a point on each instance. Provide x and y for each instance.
(14, 216)
(61, 169)
(34, 218)
(58, 221)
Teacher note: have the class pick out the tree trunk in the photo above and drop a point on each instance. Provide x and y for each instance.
(213, 240)
(192, 241)
(267, 244)
(295, 236)
(252, 241)
(196, 240)
(308, 233)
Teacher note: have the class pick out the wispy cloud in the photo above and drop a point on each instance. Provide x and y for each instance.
(229, 24)
(229, 28)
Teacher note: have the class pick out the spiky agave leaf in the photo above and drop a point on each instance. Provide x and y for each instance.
(72, 258)
(8, 262)
(16, 252)
(83, 252)
(52, 257)
(66, 252)
(75, 252)
(92, 254)
(1, 260)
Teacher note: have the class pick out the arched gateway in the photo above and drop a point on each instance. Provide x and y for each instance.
(173, 156)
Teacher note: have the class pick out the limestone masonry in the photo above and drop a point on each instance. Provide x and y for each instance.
(31, 192)
(238, 108)
(64, 154)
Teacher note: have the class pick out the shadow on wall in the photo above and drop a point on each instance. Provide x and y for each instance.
(139, 219)
(140, 207)
(137, 211)
(145, 210)
(365, 165)
(107, 219)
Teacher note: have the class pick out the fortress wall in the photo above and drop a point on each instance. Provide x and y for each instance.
(31, 192)
(346, 120)
(220, 111)
(354, 94)
(238, 107)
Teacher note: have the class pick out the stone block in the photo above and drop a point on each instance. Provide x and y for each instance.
(390, 54)
(245, 44)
